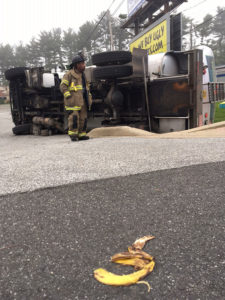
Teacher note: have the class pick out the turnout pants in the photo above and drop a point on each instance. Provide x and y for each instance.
(77, 121)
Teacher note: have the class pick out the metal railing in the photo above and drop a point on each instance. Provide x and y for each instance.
(216, 91)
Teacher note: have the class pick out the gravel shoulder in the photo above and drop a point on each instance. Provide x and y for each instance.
(31, 162)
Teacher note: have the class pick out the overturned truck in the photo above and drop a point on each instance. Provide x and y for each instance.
(163, 92)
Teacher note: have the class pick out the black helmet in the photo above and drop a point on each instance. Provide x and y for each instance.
(77, 59)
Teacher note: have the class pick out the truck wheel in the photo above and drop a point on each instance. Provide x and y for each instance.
(111, 58)
(11, 74)
(109, 72)
(22, 129)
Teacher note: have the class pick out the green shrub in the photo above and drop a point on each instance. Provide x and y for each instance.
(219, 113)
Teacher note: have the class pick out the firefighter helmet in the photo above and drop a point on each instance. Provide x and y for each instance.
(77, 59)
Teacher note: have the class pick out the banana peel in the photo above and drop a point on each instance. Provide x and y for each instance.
(139, 243)
(132, 254)
(140, 260)
(109, 278)
(137, 263)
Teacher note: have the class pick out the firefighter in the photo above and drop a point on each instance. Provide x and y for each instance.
(77, 98)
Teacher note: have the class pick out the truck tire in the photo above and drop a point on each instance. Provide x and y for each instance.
(11, 74)
(22, 129)
(109, 72)
(111, 58)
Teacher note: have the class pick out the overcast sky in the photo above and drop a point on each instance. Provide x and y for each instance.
(20, 20)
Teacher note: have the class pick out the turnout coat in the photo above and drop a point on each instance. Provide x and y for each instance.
(75, 89)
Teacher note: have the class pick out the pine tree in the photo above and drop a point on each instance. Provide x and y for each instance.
(69, 45)
(21, 55)
(33, 54)
(7, 60)
(204, 29)
(219, 33)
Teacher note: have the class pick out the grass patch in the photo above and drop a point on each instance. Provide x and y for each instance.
(219, 113)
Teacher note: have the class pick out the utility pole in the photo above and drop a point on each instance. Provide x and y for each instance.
(191, 35)
(110, 32)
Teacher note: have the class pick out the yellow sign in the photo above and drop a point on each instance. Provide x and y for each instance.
(155, 40)
(204, 94)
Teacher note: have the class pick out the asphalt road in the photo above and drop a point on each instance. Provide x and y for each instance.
(52, 236)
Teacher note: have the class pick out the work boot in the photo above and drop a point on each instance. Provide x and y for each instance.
(73, 138)
(83, 138)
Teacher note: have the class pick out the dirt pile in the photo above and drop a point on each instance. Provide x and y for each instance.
(209, 131)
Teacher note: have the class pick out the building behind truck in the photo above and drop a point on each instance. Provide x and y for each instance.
(220, 73)
(154, 86)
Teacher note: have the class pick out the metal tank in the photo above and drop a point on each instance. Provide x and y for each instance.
(209, 61)
(209, 76)
(162, 65)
